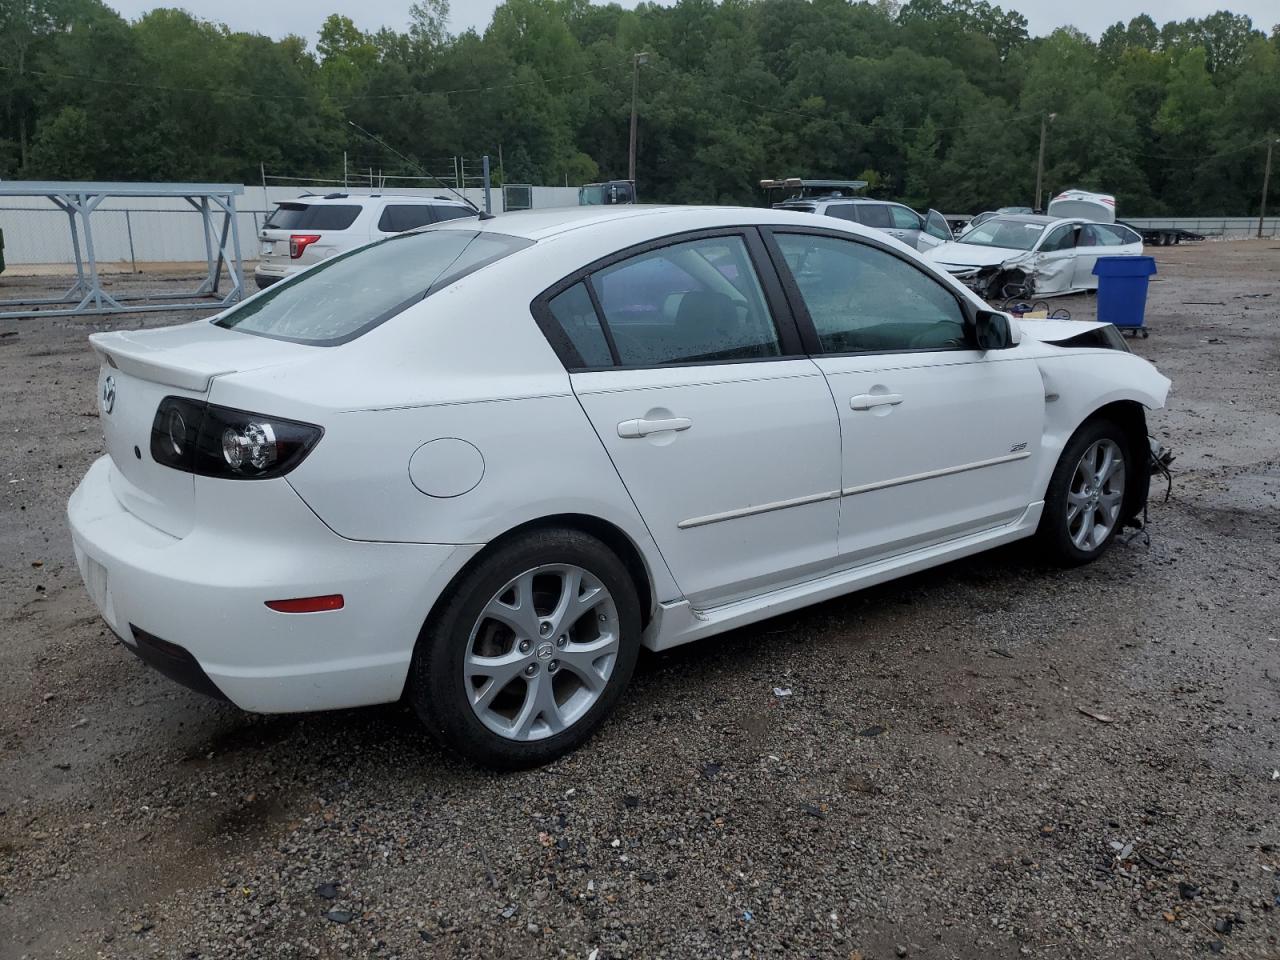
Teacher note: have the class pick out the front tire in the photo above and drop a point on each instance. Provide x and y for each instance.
(529, 652)
(1084, 505)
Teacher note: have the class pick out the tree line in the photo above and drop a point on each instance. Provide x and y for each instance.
(935, 102)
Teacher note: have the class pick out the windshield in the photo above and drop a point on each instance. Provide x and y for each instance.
(592, 195)
(1002, 232)
(339, 299)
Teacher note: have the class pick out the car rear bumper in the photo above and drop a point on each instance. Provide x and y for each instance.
(265, 274)
(195, 606)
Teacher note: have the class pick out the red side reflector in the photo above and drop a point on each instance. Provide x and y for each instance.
(332, 601)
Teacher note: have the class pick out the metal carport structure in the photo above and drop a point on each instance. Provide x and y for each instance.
(216, 204)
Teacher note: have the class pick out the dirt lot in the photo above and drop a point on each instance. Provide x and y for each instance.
(930, 787)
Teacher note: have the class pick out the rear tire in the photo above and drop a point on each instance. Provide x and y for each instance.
(1084, 506)
(529, 652)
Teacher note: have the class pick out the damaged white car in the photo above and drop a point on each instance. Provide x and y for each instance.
(1025, 255)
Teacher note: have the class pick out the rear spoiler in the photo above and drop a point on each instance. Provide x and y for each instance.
(120, 353)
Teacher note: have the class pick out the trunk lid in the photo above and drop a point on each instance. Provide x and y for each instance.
(142, 367)
(1098, 207)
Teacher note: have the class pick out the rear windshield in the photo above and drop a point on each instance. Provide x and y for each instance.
(339, 299)
(313, 216)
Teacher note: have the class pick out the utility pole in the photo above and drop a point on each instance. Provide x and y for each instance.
(1044, 129)
(1266, 183)
(636, 60)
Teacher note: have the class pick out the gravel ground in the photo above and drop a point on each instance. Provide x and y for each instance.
(929, 788)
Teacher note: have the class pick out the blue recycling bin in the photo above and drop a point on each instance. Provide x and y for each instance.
(1122, 291)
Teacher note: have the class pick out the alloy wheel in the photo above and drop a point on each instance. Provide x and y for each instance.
(1095, 494)
(541, 652)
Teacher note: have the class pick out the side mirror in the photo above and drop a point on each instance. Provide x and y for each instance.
(991, 331)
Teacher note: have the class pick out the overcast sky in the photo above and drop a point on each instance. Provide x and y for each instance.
(279, 17)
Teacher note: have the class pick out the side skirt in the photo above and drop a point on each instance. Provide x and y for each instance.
(676, 623)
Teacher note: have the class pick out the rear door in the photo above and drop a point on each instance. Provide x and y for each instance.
(938, 440)
(1104, 240)
(685, 359)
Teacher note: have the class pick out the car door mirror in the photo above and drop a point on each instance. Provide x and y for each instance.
(991, 330)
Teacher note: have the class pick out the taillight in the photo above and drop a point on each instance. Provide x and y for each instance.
(216, 441)
(299, 242)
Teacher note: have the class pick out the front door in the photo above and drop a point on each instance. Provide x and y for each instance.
(722, 432)
(1054, 261)
(936, 231)
(939, 440)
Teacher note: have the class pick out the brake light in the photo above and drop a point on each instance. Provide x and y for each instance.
(299, 242)
(215, 441)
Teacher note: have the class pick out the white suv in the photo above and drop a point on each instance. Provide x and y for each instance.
(305, 231)
(921, 231)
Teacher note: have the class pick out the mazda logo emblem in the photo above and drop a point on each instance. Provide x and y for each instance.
(108, 394)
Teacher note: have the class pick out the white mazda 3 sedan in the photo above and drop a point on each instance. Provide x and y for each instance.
(479, 465)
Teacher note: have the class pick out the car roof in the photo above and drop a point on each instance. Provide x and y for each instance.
(1026, 218)
(857, 200)
(538, 224)
(349, 198)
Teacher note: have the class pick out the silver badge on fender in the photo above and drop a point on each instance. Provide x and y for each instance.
(108, 394)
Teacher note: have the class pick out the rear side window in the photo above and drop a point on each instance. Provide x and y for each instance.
(577, 318)
(842, 211)
(339, 299)
(698, 301)
(873, 215)
(398, 217)
(313, 216)
(1113, 235)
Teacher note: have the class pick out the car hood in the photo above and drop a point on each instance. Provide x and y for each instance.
(971, 255)
(1055, 331)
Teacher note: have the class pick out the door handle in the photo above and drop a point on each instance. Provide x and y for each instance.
(631, 429)
(865, 401)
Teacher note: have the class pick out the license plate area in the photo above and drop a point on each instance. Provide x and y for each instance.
(267, 248)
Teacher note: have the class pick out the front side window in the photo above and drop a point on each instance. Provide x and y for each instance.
(1059, 238)
(864, 300)
(341, 298)
(935, 224)
(904, 219)
(698, 301)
